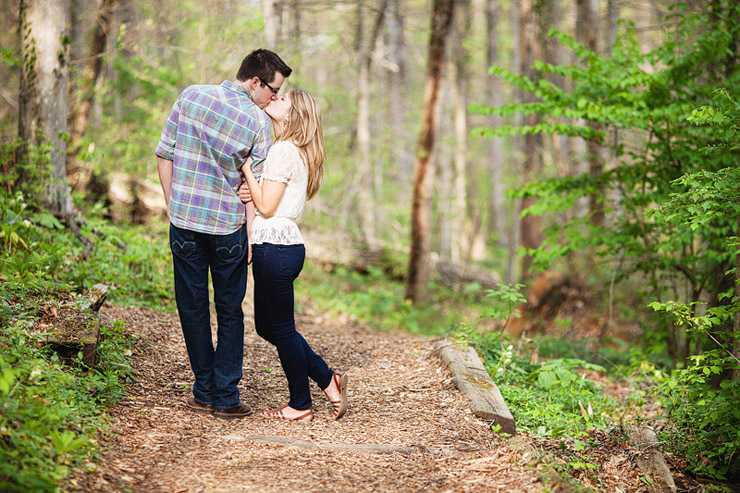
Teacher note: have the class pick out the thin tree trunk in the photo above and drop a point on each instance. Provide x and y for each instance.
(418, 274)
(442, 166)
(458, 209)
(269, 12)
(43, 91)
(611, 27)
(531, 49)
(586, 29)
(399, 154)
(364, 164)
(90, 76)
(497, 200)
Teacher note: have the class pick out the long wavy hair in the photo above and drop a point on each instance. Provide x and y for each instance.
(302, 127)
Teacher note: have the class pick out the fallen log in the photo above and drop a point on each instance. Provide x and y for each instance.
(335, 249)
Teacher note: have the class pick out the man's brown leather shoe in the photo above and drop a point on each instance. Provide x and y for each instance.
(198, 407)
(239, 411)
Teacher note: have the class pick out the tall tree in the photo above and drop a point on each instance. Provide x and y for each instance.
(396, 58)
(418, 273)
(497, 220)
(587, 27)
(90, 77)
(43, 90)
(530, 44)
(364, 164)
(272, 23)
(458, 207)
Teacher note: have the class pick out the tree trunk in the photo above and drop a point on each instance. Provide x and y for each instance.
(399, 154)
(442, 169)
(497, 221)
(458, 203)
(90, 76)
(43, 91)
(611, 27)
(364, 164)
(587, 26)
(269, 12)
(531, 50)
(418, 274)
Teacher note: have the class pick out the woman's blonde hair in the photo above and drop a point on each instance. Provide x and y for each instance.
(303, 128)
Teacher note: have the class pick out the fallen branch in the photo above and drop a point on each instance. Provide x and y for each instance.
(359, 448)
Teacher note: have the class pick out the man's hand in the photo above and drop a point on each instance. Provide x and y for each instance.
(244, 194)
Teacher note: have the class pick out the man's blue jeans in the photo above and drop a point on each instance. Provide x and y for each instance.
(275, 267)
(218, 371)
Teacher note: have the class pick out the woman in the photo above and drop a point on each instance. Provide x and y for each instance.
(292, 174)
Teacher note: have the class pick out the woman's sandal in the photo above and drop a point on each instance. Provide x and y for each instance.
(278, 413)
(340, 406)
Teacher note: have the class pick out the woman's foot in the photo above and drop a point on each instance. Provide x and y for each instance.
(287, 412)
(337, 394)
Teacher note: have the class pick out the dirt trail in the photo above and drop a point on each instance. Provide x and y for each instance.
(400, 396)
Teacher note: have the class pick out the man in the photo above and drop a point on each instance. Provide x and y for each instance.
(210, 132)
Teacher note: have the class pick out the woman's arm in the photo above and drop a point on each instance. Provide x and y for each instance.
(266, 197)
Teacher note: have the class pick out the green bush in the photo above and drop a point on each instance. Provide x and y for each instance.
(50, 412)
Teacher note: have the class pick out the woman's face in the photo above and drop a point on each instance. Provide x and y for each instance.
(279, 109)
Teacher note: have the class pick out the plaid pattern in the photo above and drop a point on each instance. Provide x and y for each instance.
(210, 132)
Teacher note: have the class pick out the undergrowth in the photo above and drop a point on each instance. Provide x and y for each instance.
(52, 411)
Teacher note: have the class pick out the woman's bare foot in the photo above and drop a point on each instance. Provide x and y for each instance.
(287, 412)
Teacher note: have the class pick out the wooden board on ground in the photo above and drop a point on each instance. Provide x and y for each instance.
(471, 378)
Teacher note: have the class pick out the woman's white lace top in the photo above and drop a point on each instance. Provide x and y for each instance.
(283, 164)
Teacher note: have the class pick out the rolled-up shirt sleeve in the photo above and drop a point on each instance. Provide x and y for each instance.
(167, 139)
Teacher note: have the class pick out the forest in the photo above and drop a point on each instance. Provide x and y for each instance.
(554, 183)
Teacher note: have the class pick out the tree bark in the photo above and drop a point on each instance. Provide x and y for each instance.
(90, 75)
(364, 164)
(43, 91)
(400, 155)
(587, 26)
(530, 36)
(418, 274)
(497, 221)
(458, 202)
(269, 12)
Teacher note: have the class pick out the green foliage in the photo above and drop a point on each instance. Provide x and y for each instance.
(702, 397)
(506, 298)
(379, 302)
(554, 399)
(51, 412)
(671, 120)
(638, 104)
(705, 418)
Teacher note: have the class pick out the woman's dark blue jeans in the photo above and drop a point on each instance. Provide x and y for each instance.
(218, 371)
(275, 267)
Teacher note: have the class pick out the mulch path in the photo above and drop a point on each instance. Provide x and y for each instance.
(400, 397)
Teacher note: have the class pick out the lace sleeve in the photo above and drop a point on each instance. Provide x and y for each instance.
(281, 163)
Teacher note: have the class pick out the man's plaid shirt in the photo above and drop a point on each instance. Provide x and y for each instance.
(210, 132)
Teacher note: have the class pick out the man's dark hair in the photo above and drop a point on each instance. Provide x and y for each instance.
(263, 64)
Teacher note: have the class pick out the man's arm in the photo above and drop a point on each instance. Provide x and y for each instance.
(165, 170)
